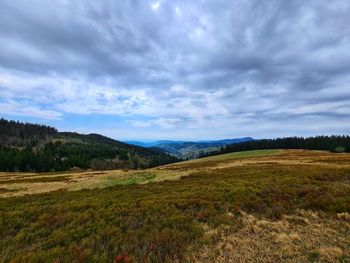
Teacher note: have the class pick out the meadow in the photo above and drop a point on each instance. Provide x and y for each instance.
(257, 206)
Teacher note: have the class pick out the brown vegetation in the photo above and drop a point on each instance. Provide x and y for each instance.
(305, 236)
(291, 206)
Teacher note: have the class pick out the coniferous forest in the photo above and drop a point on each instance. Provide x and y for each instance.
(324, 143)
(29, 147)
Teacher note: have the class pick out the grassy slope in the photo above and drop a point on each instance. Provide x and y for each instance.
(175, 220)
(16, 184)
(227, 156)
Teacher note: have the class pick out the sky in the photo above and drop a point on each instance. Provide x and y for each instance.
(170, 69)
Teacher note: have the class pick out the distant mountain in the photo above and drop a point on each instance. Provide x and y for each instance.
(32, 147)
(152, 143)
(188, 149)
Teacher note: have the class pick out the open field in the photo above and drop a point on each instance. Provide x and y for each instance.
(16, 184)
(258, 206)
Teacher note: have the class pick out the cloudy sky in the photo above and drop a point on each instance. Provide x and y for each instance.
(170, 69)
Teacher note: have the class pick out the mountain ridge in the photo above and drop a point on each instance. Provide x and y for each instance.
(190, 149)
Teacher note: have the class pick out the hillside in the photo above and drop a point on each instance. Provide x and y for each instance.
(188, 149)
(256, 206)
(39, 148)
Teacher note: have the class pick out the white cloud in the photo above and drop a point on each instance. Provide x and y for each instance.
(178, 11)
(155, 5)
(220, 67)
(22, 109)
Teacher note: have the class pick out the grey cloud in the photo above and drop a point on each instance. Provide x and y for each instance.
(255, 59)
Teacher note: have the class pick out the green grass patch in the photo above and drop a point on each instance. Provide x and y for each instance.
(212, 161)
(228, 156)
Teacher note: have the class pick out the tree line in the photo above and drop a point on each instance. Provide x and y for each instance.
(327, 143)
(57, 156)
(16, 133)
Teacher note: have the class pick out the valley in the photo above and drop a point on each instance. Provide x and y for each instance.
(188, 149)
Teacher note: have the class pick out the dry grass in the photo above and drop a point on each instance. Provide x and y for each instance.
(303, 237)
(30, 183)
(289, 206)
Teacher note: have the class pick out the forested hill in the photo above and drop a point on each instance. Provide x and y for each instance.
(39, 148)
(14, 133)
(325, 143)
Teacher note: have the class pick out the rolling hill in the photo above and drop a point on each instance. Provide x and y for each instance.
(31, 147)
